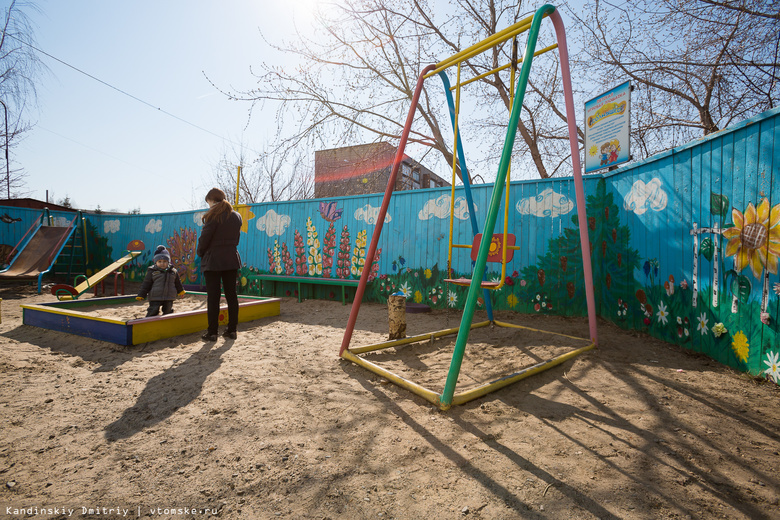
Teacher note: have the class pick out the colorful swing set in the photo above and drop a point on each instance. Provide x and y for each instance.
(500, 247)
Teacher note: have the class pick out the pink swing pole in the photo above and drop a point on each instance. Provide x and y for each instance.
(582, 216)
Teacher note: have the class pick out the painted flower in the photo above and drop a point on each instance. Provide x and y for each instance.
(765, 318)
(755, 238)
(428, 274)
(718, 330)
(512, 300)
(646, 321)
(406, 289)
(702, 327)
(418, 297)
(523, 283)
(684, 284)
(773, 361)
(622, 309)
(740, 346)
(663, 315)
(777, 288)
(452, 298)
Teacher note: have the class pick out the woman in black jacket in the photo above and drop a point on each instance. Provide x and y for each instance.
(219, 261)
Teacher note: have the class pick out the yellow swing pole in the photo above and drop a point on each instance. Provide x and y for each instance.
(509, 166)
(238, 184)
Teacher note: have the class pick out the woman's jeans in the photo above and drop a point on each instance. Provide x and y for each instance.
(228, 280)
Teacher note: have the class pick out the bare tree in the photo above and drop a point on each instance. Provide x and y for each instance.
(700, 65)
(265, 177)
(19, 68)
(357, 75)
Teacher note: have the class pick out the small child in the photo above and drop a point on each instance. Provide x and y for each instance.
(161, 284)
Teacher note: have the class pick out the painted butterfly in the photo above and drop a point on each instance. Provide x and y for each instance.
(329, 211)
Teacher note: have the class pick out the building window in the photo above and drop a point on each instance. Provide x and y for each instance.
(406, 170)
(416, 175)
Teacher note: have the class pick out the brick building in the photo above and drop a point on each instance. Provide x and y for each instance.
(365, 168)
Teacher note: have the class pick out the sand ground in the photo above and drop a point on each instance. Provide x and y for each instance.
(275, 425)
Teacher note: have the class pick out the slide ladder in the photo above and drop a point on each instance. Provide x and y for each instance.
(73, 258)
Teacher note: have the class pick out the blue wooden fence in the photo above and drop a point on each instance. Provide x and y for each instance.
(682, 243)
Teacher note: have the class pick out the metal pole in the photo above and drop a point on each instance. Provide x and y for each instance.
(7, 163)
(380, 219)
(238, 184)
(492, 213)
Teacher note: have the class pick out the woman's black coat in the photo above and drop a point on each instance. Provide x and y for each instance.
(218, 242)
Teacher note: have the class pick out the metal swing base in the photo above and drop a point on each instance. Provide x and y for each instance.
(353, 355)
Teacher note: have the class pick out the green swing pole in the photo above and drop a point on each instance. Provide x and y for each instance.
(492, 214)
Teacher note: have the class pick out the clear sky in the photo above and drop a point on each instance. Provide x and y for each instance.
(101, 147)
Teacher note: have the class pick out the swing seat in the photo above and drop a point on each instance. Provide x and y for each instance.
(466, 282)
(495, 255)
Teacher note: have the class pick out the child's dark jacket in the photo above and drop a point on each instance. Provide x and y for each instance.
(161, 284)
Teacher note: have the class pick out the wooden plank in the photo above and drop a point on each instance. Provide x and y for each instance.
(698, 218)
(76, 323)
(768, 174)
(627, 311)
(178, 324)
(352, 282)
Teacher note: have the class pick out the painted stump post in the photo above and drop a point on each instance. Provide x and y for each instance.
(396, 313)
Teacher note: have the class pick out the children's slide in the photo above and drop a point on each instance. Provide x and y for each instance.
(67, 292)
(37, 256)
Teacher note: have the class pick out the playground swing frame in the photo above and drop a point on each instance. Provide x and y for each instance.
(448, 397)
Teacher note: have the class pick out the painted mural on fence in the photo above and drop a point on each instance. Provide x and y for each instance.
(684, 246)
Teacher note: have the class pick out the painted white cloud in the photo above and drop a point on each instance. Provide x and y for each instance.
(60, 222)
(546, 204)
(646, 196)
(154, 226)
(111, 226)
(369, 213)
(197, 218)
(273, 223)
(440, 208)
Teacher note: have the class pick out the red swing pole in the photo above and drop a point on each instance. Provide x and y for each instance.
(380, 220)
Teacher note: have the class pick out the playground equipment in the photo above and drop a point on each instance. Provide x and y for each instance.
(503, 244)
(73, 317)
(38, 249)
(67, 292)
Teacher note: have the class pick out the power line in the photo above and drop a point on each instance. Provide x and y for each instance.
(98, 151)
(126, 93)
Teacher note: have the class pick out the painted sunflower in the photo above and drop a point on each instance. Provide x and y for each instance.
(755, 238)
(740, 346)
